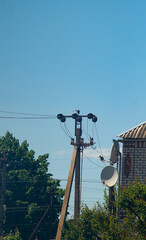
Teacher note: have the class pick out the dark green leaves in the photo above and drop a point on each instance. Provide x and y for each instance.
(99, 223)
(28, 190)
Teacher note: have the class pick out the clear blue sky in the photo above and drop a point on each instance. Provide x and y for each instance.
(60, 55)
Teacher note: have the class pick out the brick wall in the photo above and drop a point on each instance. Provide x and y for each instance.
(133, 161)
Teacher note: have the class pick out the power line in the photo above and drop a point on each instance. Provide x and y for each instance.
(98, 138)
(26, 115)
(63, 180)
(94, 148)
(49, 117)
(92, 161)
(65, 131)
(32, 114)
(87, 134)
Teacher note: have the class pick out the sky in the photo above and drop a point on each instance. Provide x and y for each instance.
(59, 56)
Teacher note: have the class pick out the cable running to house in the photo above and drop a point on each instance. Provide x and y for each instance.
(92, 161)
(98, 138)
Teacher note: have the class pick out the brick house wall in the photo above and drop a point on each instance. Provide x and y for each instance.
(133, 161)
(133, 154)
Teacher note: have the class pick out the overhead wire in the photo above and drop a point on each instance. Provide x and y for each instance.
(98, 138)
(41, 207)
(93, 130)
(95, 148)
(88, 136)
(92, 161)
(26, 115)
(32, 114)
(51, 117)
(63, 179)
(65, 131)
(87, 125)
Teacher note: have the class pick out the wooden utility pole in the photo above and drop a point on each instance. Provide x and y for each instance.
(67, 195)
(51, 213)
(42, 218)
(75, 166)
(3, 189)
(39, 223)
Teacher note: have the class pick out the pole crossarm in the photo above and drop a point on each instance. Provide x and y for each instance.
(77, 117)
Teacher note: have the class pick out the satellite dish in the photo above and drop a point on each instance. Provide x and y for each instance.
(109, 176)
(114, 152)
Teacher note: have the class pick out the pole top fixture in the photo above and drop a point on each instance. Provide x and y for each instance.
(77, 117)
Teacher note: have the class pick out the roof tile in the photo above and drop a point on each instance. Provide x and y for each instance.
(136, 132)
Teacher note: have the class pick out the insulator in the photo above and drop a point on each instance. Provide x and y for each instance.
(74, 116)
(79, 119)
(72, 141)
(90, 115)
(63, 119)
(91, 141)
(60, 116)
(94, 119)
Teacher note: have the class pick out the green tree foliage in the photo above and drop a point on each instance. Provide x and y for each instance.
(133, 203)
(11, 236)
(89, 225)
(28, 190)
(99, 223)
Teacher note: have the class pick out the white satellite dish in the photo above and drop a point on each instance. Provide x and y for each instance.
(109, 176)
(114, 152)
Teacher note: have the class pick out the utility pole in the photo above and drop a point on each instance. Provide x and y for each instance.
(51, 213)
(74, 167)
(112, 208)
(42, 218)
(77, 200)
(3, 189)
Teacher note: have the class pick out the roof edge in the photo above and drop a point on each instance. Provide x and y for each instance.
(131, 129)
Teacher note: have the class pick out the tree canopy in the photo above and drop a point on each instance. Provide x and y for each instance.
(99, 223)
(12, 236)
(29, 187)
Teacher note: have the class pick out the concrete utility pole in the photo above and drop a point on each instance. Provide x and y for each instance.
(75, 166)
(3, 189)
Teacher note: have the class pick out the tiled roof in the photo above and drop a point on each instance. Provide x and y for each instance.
(136, 132)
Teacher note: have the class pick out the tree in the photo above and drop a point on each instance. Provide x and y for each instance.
(28, 190)
(89, 225)
(99, 223)
(132, 201)
(11, 236)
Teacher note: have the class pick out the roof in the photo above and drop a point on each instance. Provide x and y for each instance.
(136, 132)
